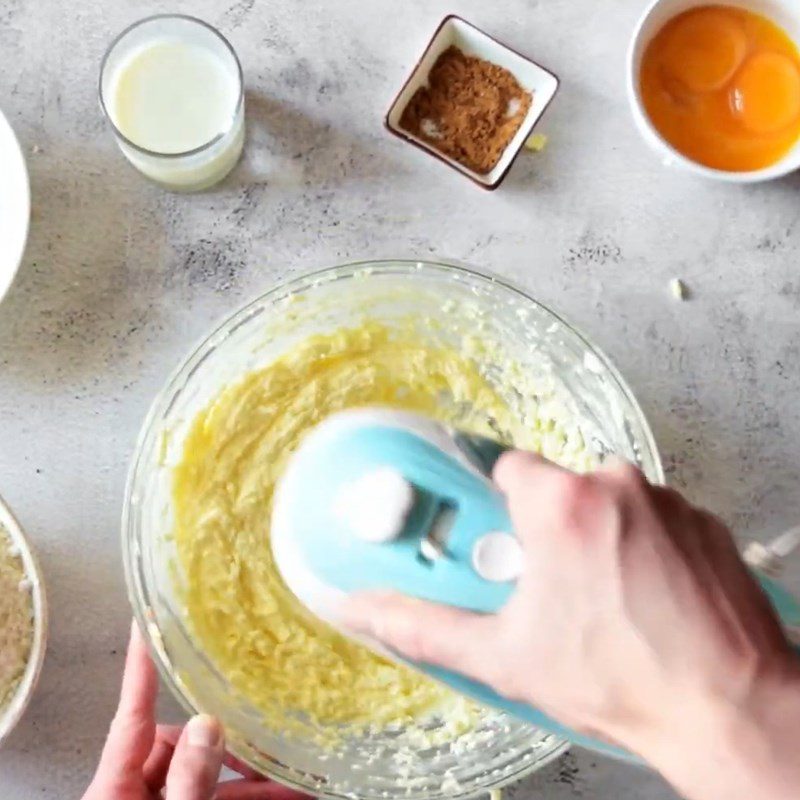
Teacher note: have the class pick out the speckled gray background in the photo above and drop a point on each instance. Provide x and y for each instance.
(120, 279)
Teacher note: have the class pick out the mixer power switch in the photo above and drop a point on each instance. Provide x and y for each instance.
(497, 557)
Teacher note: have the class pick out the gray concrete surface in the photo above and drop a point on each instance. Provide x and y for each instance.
(120, 279)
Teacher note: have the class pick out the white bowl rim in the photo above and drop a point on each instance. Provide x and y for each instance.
(18, 185)
(13, 712)
(786, 165)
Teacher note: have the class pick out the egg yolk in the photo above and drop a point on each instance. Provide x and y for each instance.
(704, 50)
(722, 86)
(766, 93)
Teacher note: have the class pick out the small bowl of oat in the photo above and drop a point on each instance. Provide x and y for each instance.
(23, 621)
(471, 101)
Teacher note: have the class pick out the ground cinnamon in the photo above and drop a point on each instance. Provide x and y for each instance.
(470, 109)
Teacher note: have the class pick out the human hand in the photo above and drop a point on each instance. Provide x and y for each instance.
(140, 758)
(635, 621)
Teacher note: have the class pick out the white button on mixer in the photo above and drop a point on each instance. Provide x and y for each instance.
(497, 557)
(375, 507)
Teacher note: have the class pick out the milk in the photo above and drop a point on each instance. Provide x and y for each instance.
(173, 93)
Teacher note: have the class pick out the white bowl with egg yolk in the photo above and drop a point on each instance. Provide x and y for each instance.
(785, 13)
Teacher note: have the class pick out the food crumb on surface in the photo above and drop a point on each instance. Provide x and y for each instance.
(679, 289)
(592, 363)
(536, 142)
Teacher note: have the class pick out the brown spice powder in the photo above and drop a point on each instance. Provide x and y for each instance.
(470, 109)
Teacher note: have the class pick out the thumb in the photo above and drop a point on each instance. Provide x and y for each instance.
(517, 472)
(195, 767)
(428, 633)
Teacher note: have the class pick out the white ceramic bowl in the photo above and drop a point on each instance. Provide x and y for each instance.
(11, 714)
(786, 13)
(453, 30)
(15, 205)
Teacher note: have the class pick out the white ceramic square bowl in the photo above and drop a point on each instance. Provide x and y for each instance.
(454, 30)
(15, 205)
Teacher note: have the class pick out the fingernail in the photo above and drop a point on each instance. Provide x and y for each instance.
(203, 731)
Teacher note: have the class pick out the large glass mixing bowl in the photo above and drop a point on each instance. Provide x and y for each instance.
(451, 303)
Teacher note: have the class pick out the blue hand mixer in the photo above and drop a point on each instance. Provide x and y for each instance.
(383, 499)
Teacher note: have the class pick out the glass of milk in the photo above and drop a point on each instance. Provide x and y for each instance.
(171, 86)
